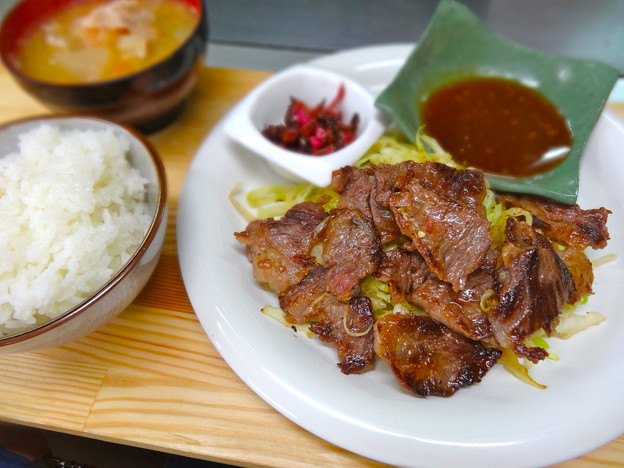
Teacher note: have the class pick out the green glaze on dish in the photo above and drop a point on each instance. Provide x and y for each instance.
(456, 45)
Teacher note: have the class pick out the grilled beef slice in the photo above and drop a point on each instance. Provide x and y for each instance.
(355, 349)
(351, 250)
(462, 185)
(410, 280)
(358, 189)
(451, 237)
(310, 301)
(581, 269)
(566, 224)
(446, 306)
(366, 189)
(279, 250)
(300, 302)
(428, 358)
(535, 286)
(404, 272)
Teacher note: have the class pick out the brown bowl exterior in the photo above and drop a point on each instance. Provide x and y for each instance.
(148, 100)
(122, 289)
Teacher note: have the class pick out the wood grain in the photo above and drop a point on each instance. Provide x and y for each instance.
(151, 378)
(31, 381)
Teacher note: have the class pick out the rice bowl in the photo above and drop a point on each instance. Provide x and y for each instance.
(83, 200)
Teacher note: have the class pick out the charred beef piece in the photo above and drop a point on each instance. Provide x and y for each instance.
(404, 272)
(355, 349)
(535, 286)
(462, 315)
(483, 278)
(351, 250)
(428, 358)
(367, 189)
(279, 250)
(462, 185)
(409, 279)
(451, 237)
(300, 302)
(310, 301)
(358, 189)
(581, 269)
(354, 186)
(566, 224)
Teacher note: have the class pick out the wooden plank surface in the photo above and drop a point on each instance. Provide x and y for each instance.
(151, 378)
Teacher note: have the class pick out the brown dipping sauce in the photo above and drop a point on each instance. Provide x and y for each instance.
(498, 126)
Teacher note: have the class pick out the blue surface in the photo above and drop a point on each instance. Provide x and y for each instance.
(618, 91)
(13, 460)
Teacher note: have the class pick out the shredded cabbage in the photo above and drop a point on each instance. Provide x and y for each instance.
(604, 259)
(379, 294)
(512, 365)
(274, 200)
(407, 308)
(238, 205)
(570, 322)
(393, 149)
(278, 314)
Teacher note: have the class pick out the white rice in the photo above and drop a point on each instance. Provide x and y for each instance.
(72, 212)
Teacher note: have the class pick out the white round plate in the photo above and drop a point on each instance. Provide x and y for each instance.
(500, 422)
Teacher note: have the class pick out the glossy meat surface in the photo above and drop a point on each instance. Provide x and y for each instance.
(355, 347)
(461, 185)
(567, 224)
(450, 308)
(580, 267)
(279, 250)
(451, 237)
(351, 250)
(358, 189)
(535, 286)
(301, 301)
(429, 359)
(410, 280)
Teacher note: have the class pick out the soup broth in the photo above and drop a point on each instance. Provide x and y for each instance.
(97, 40)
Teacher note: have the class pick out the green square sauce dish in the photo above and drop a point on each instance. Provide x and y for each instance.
(457, 47)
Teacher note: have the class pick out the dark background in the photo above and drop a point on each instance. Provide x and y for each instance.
(580, 28)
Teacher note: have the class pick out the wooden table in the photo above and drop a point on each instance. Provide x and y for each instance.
(151, 378)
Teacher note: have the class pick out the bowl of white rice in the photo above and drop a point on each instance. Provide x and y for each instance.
(83, 216)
